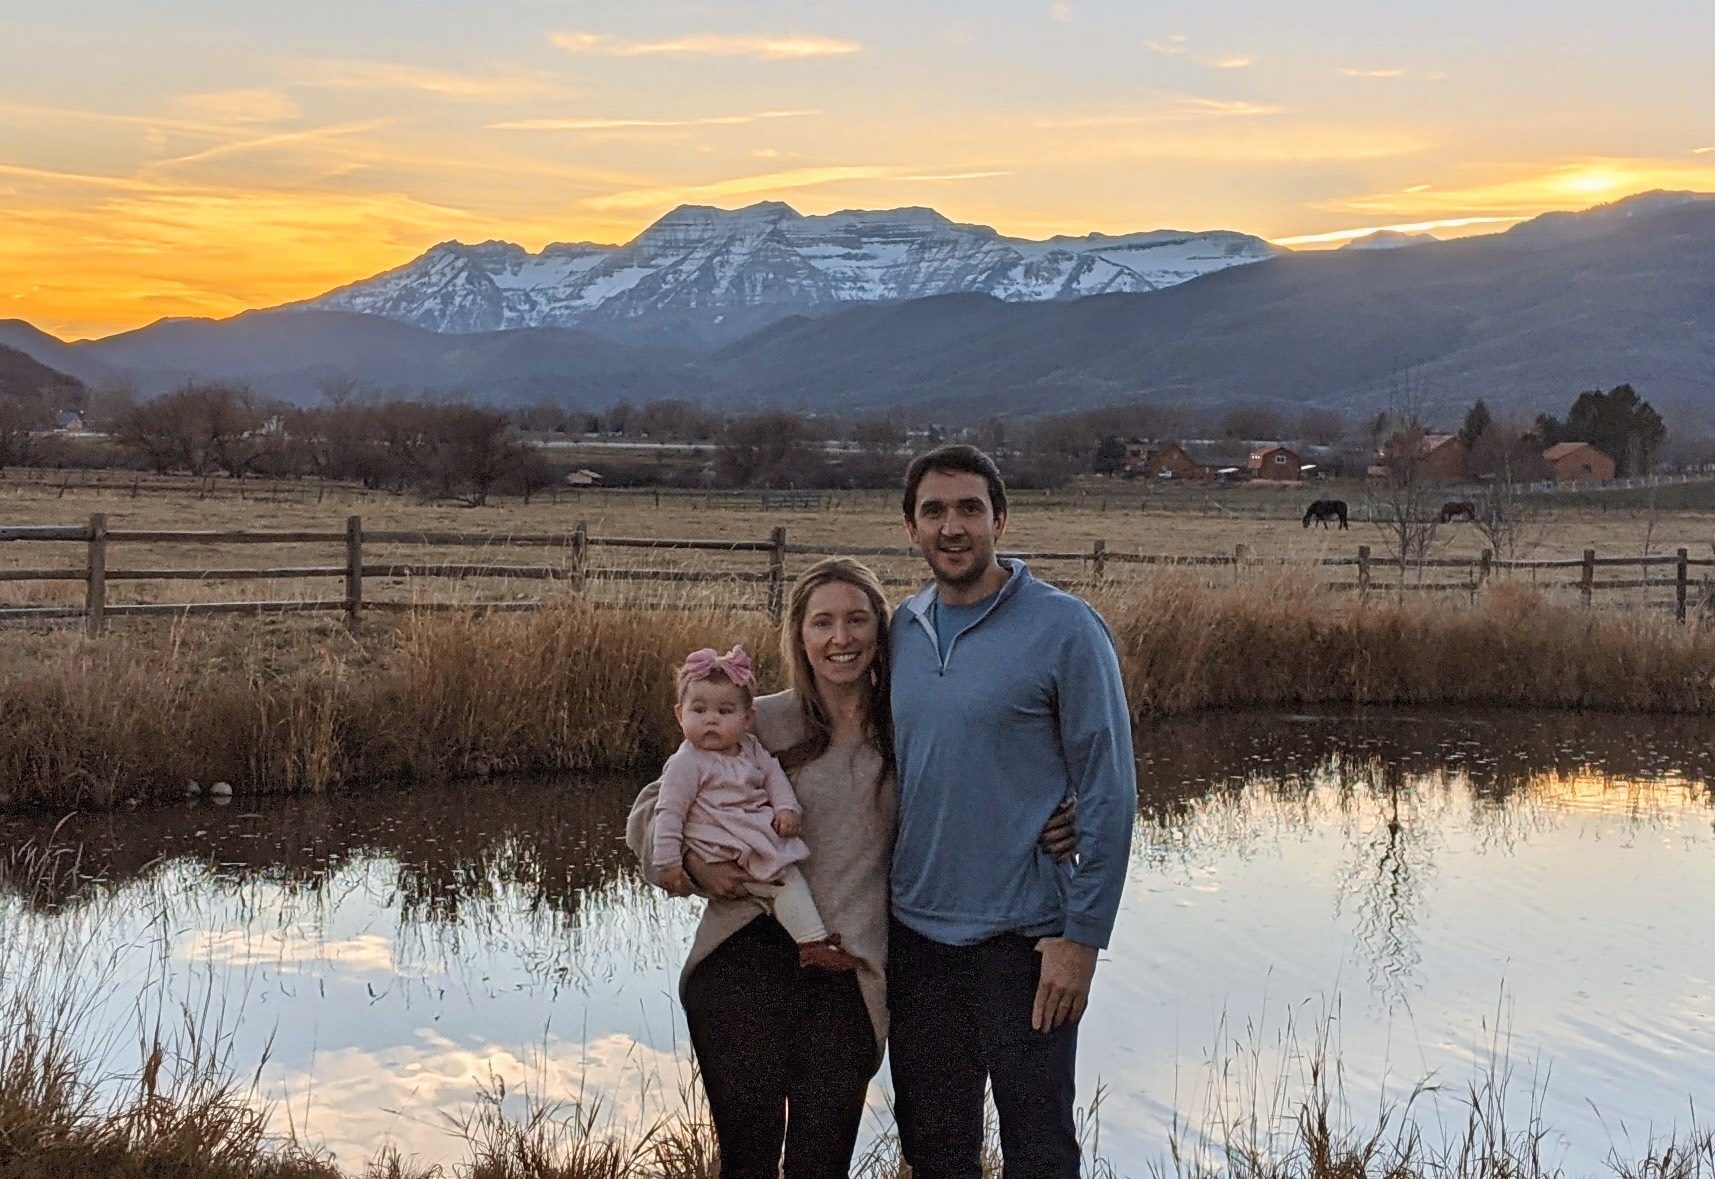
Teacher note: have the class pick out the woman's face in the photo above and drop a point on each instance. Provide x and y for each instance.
(839, 634)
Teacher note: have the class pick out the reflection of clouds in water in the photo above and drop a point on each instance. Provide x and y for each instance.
(409, 1095)
(287, 954)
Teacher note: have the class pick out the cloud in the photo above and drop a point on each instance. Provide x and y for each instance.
(1345, 235)
(1179, 45)
(772, 48)
(511, 85)
(645, 124)
(768, 182)
(1061, 10)
(255, 105)
(1389, 73)
(1179, 108)
(1702, 151)
(284, 138)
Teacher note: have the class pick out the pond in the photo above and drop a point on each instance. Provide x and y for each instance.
(1429, 897)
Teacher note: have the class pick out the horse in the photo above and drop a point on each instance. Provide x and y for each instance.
(1453, 509)
(1324, 510)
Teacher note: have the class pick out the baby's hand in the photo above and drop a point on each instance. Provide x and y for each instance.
(787, 823)
(675, 881)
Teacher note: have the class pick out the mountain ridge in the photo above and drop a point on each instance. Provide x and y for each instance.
(719, 274)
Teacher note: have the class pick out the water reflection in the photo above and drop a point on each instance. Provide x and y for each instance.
(400, 949)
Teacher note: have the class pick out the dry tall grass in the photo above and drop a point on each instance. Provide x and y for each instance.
(289, 708)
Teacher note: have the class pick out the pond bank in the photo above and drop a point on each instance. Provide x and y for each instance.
(294, 708)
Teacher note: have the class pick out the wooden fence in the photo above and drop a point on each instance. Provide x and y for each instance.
(1095, 565)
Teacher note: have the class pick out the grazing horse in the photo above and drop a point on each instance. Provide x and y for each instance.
(1453, 509)
(1324, 510)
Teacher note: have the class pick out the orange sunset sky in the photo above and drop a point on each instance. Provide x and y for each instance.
(194, 158)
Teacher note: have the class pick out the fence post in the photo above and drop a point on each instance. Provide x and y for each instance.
(1486, 567)
(1098, 559)
(1241, 553)
(777, 572)
(1363, 570)
(580, 555)
(353, 572)
(1681, 583)
(1587, 582)
(95, 596)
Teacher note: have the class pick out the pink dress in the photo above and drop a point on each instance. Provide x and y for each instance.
(721, 805)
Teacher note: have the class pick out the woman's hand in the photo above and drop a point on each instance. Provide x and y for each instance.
(676, 882)
(724, 879)
(1059, 836)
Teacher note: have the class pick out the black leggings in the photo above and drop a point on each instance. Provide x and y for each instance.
(774, 1039)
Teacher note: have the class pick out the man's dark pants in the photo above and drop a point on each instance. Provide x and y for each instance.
(960, 1015)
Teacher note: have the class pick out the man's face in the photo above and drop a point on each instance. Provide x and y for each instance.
(954, 526)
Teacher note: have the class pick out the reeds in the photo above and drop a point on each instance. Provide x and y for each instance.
(294, 707)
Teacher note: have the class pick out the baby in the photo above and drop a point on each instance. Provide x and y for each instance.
(724, 797)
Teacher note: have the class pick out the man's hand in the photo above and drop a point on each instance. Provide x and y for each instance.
(787, 823)
(676, 882)
(1064, 990)
(725, 879)
(1059, 836)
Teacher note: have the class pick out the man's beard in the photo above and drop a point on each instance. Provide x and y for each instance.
(963, 580)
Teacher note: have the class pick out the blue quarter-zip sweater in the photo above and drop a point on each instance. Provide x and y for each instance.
(1026, 708)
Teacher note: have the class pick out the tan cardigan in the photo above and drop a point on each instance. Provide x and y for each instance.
(848, 824)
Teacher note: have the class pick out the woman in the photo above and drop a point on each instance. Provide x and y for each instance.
(768, 1035)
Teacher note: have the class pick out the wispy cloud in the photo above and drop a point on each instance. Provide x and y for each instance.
(307, 135)
(511, 85)
(1702, 151)
(773, 47)
(1346, 235)
(1178, 109)
(1389, 73)
(1062, 10)
(770, 182)
(1179, 45)
(250, 105)
(597, 124)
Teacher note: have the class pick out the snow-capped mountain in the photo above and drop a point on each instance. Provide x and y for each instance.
(728, 271)
(1390, 239)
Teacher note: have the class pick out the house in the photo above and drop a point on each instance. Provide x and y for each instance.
(1568, 461)
(583, 477)
(69, 421)
(1439, 456)
(1275, 462)
(1164, 460)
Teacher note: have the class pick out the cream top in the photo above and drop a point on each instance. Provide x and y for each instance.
(848, 826)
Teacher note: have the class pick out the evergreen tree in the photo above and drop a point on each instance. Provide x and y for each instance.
(1477, 420)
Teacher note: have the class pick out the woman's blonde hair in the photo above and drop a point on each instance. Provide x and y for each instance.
(818, 727)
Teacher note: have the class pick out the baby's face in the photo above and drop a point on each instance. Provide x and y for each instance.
(714, 715)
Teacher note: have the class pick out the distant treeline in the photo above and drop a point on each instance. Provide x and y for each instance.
(458, 449)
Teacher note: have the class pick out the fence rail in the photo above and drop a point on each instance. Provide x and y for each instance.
(1372, 573)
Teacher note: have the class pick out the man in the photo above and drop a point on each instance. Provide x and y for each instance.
(1007, 699)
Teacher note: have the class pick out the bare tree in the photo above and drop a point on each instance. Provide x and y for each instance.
(1402, 500)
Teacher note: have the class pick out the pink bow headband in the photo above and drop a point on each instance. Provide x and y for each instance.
(735, 665)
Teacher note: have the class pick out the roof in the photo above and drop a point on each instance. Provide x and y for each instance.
(1561, 449)
(1437, 441)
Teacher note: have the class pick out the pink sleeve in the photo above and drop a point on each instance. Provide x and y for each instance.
(781, 796)
(680, 779)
